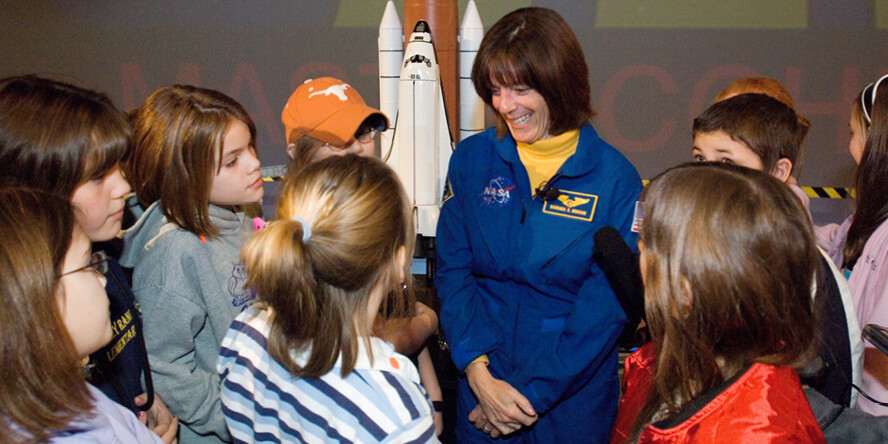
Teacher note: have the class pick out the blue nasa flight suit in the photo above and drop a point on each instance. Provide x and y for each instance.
(516, 280)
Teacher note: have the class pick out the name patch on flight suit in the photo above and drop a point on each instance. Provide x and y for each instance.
(573, 205)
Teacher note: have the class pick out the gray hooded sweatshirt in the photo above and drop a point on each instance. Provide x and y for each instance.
(189, 290)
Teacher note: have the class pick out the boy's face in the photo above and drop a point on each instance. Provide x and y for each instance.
(718, 146)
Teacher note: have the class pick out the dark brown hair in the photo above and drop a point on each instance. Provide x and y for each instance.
(41, 386)
(769, 87)
(870, 182)
(764, 124)
(359, 217)
(535, 47)
(54, 136)
(730, 258)
(178, 135)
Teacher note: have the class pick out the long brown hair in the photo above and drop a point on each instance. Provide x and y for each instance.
(870, 181)
(54, 136)
(730, 258)
(535, 47)
(316, 282)
(41, 387)
(178, 133)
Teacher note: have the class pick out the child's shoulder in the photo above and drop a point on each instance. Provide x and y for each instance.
(153, 238)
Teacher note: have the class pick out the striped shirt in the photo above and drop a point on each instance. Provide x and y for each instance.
(381, 401)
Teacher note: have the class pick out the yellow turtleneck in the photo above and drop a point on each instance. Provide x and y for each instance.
(543, 157)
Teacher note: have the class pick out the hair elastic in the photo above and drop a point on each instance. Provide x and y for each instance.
(306, 228)
(870, 91)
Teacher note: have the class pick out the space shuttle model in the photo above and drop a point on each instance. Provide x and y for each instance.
(413, 93)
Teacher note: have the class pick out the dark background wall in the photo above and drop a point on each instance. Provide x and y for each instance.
(654, 65)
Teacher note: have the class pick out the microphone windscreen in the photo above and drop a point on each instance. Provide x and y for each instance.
(621, 268)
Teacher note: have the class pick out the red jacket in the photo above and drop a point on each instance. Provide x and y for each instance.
(764, 404)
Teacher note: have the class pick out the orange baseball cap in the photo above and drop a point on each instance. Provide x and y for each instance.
(329, 110)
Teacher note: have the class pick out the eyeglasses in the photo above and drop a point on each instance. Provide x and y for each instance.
(365, 136)
(98, 262)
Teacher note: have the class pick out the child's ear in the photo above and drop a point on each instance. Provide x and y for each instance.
(291, 150)
(782, 169)
(401, 258)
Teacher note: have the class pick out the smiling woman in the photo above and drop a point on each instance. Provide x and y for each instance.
(528, 314)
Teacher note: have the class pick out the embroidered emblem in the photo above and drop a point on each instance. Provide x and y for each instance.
(336, 90)
(638, 217)
(498, 192)
(573, 205)
(448, 191)
(240, 297)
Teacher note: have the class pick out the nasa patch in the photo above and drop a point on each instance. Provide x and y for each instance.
(498, 192)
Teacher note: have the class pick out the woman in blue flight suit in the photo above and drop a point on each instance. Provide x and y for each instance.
(529, 315)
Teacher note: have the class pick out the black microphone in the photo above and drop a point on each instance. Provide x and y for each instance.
(547, 193)
(620, 267)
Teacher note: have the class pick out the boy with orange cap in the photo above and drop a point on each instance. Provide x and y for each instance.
(326, 117)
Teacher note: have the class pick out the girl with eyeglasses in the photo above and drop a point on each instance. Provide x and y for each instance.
(860, 244)
(68, 141)
(53, 314)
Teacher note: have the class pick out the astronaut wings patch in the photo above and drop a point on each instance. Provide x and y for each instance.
(573, 205)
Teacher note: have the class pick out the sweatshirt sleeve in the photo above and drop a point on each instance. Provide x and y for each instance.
(171, 323)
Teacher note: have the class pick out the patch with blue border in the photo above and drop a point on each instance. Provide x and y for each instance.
(573, 205)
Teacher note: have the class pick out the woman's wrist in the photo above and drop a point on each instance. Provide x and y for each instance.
(476, 372)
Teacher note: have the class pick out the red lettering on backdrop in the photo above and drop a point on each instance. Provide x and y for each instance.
(188, 74)
(134, 89)
(245, 76)
(840, 108)
(607, 121)
(703, 93)
(311, 70)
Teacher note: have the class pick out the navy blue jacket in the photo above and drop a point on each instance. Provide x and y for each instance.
(118, 369)
(517, 281)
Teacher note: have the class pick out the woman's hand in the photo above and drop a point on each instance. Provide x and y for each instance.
(476, 416)
(159, 419)
(504, 409)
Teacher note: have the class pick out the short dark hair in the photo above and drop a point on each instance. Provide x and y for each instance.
(535, 47)
(764, 124)
(178, 135)
(55, 136)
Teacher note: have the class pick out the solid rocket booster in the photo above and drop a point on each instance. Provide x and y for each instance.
(471, 107)
(422, 143)
(391, 53)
